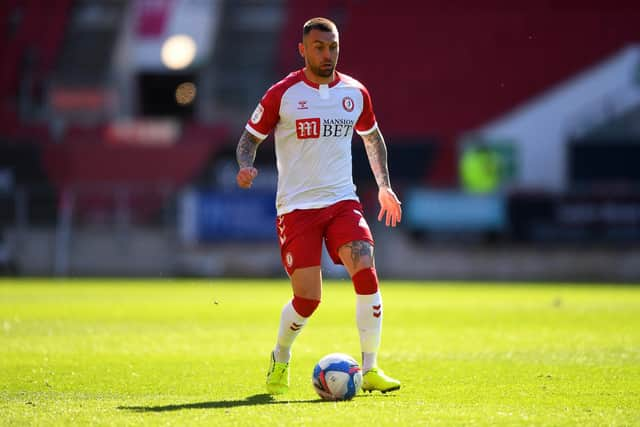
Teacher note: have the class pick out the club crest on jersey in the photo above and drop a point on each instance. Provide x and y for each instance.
(348, 104)
(308, 128)
(302, 105)
(257, 114)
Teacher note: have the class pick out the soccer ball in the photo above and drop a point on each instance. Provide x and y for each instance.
(337, 376)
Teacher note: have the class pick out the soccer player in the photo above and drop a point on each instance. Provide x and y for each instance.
(314, 112)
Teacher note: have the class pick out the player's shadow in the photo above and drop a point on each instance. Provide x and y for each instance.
(256, 399)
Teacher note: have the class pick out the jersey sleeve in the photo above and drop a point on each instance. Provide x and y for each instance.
(266, 115)
(367, 121)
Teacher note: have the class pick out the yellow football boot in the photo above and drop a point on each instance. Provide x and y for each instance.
(277, 377)
(375, 379)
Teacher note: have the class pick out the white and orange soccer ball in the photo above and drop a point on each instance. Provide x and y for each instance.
(337, 376)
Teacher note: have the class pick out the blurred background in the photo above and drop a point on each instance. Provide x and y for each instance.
(513, 131)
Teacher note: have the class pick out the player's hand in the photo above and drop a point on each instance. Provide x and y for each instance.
(389, 207)
(246, 176)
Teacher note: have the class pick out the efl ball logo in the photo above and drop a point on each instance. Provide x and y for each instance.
(348, 104)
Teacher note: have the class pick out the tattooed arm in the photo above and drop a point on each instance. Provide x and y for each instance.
(377, 154)
(246, 155)
(246, 149)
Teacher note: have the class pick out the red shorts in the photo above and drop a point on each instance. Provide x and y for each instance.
(302, 231)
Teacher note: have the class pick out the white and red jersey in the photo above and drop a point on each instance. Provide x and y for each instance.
(313, 129)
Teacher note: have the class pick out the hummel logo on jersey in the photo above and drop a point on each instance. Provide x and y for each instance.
(302, 105)
(308, 128)
(295, 326)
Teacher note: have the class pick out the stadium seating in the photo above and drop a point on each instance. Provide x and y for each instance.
(83, 159)
(28, 27)
(435, 69)
(442, 68)
(149, 175)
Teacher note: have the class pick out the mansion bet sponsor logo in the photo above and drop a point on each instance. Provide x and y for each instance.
(312, 129)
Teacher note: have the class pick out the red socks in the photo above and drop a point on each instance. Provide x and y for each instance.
(304, 306)
(365, 281)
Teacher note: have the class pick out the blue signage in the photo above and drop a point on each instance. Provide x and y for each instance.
(242, 215)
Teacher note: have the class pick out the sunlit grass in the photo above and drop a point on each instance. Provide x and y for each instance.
(186, 352)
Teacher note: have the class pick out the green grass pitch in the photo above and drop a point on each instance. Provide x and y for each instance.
(193, 352)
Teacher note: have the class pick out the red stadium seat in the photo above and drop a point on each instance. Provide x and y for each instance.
(444, 68)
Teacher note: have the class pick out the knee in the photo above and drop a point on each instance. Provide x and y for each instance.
(358, 254)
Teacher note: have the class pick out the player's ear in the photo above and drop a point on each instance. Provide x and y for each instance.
(301, 49)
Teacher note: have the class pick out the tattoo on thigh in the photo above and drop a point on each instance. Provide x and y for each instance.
(360, 249)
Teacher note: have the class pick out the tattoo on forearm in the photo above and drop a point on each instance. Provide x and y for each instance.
(360, 249)
(377, 154)
(246, 149)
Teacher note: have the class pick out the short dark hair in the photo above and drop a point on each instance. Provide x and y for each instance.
(322, 24)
